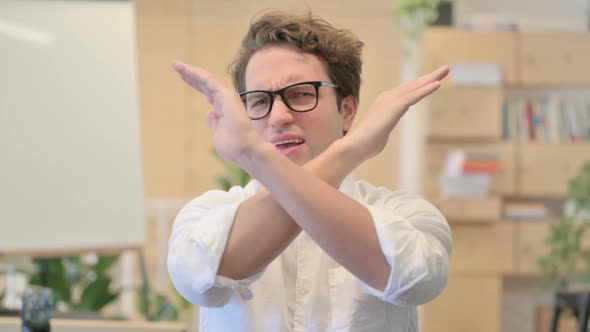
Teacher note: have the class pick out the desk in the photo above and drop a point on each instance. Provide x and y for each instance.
(13, 324)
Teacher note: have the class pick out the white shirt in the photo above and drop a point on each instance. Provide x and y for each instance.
(304, 289)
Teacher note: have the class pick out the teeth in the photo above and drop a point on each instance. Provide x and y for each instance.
(289, 141)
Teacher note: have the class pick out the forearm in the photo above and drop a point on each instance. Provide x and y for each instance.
(342, 226)
(249, 249)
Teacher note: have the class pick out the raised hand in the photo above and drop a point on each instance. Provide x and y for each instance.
(233, 134)
(371, 134)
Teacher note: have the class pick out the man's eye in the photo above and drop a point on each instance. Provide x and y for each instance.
(259, 102)
(300, 94)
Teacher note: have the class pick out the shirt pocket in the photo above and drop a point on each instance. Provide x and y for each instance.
(353, 310)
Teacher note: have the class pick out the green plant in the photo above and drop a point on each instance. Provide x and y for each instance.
(159, 307)
(413, 16)
(68, 276)
(569, 256)
(235, 175)
(155, 306)
(426, 10)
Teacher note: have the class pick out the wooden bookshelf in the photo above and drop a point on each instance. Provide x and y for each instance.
(487, 248)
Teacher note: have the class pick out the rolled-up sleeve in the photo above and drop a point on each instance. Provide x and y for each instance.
(197, 244)
(416, 241)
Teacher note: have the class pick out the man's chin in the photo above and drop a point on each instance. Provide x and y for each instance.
(296, 159)
(300, 158)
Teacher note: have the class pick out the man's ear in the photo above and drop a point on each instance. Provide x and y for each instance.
(348, 107)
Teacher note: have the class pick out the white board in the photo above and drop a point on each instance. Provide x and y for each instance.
(70, 162)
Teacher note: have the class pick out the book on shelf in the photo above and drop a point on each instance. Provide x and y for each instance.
(547, 119)
(465, 186)
(482, 166)
(468, 174)
(476, 74)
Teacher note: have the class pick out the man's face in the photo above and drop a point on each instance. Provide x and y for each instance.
(276, 67)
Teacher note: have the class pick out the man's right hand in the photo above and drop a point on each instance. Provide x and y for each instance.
(370, 137)
(234, 136)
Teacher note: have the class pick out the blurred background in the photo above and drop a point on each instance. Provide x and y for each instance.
(101, 144)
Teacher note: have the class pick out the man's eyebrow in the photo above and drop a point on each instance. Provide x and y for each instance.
(289, 80)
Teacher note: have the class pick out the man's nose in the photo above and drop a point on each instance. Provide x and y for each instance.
(280, 114)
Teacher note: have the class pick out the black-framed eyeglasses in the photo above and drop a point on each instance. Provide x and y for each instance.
(298, 97)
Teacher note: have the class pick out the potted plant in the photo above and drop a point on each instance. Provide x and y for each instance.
(79, 285)
(428, 10)
(235, 176)
(567, 264)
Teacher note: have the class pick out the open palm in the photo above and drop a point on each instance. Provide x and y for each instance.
(233, 133)
(372, 133)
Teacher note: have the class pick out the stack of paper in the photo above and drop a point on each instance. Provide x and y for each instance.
(468, 174)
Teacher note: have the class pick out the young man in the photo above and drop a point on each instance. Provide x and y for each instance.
(305, 247)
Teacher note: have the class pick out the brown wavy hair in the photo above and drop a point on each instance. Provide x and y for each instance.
(339, 50)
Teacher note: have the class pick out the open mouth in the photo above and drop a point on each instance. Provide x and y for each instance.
(288, 143)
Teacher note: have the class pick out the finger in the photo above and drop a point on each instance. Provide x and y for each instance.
(436, 75)
(417, 95)
(421, 81)
(199, 79)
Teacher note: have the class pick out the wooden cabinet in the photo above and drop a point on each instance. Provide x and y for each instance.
(530, 246)
(466, 113)
(483, 249)
(525, 58)
(470, 210)
(442, 46)
(554, 58)
(545, 169)
(468, 304)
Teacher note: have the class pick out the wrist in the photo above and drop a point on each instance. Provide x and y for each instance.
(254, 158)
(348, 152)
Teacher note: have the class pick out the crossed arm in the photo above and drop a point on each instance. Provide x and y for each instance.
(304, 198)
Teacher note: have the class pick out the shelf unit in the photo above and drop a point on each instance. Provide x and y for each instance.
(486, 248)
